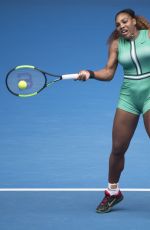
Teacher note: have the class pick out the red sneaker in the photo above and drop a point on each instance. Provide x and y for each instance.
(108, 202)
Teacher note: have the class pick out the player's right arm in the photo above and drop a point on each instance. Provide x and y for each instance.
(106, 73)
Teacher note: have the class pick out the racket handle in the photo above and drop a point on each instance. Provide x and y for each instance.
(70, 76)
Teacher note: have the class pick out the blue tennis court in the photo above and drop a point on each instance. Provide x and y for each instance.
(73, 210)
(61, 138)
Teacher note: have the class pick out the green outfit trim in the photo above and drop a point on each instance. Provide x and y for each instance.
(134, 56)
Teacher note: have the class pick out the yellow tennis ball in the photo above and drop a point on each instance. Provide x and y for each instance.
(22, 84)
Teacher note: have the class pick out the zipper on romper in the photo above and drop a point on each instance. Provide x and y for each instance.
(135, 58)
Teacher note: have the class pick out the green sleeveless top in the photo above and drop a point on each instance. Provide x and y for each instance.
(134, 56)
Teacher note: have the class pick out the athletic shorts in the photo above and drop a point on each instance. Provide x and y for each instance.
(135, 96)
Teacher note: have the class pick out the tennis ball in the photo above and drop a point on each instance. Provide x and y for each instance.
(22, 84)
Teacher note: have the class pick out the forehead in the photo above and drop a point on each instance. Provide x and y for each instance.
(121, 16)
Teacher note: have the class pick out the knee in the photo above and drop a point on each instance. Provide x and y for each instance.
(119, 149)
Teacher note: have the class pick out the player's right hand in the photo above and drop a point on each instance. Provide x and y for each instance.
(84, 75)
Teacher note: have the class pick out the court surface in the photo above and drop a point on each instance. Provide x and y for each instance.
(55, 146)
(75, 210)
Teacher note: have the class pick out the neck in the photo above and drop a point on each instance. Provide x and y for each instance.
(134, 34)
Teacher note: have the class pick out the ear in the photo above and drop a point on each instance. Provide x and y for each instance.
(134, 21)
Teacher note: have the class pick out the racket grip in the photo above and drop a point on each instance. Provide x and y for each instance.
(70, 76)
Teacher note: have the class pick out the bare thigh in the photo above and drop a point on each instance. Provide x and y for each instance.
(146, 118)
(124, 127)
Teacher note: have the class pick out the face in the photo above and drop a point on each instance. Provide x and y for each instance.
(126, 25)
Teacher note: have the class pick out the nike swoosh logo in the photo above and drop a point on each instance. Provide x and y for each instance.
(111, 203)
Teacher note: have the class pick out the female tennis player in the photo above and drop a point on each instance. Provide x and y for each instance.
(129, 45)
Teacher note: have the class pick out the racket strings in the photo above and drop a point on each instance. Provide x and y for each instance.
(35, 81)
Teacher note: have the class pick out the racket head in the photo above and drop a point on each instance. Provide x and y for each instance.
(34, 78)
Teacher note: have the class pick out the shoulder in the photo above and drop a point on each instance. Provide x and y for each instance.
(145, 32)
(149, 33)
(113, 46)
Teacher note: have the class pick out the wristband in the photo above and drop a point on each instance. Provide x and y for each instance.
(92, 75)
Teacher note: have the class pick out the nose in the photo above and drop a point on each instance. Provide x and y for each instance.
(121, 25)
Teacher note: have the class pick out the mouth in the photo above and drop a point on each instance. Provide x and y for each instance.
(124, 32)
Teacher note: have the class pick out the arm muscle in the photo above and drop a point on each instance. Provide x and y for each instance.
(107, 73)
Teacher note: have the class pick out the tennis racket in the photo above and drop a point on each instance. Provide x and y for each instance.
(27, 80)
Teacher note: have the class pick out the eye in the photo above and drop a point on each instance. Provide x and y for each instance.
(124, 21)
(117, 25)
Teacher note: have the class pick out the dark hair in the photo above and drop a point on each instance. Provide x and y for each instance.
(141, 23)
(128, 11)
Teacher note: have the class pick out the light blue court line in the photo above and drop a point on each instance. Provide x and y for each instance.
(70, 189)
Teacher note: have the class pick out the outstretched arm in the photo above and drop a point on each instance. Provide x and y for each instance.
(106, 73)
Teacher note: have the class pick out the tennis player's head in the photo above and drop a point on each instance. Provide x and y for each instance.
(127, 24)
